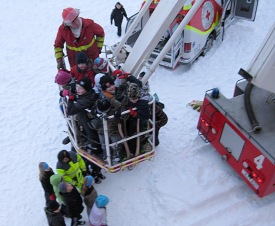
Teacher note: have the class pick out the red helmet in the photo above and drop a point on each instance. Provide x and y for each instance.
(69, 14)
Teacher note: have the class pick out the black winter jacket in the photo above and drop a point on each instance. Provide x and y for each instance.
(54, 219)
(45, 182)
(82, 102)
(73, 202)
(117, 15)
(143, 109)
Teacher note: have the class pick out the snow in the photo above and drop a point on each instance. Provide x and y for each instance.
(187, 183)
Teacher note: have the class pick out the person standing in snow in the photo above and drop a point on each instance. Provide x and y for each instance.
(98, 215)
(117, 15)
(71, 167)
(73, 202)
(45, 172)
(55, 180)
(53, 214)
(79, 34)
(89, 193)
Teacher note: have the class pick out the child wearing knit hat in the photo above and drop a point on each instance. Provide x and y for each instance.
(89, 193)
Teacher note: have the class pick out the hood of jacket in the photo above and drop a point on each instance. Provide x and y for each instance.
(55, 179)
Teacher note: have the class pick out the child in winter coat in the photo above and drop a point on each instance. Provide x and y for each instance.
(108, 90)
(66, 81)
(86, 99)
(104, 108)
(83, 68)
(53, 213)
(101, 65)
(98, 216)
(89, 193)
(117, 15)
(73, 202)
(139, 113)
(45, 172)
(55, 180)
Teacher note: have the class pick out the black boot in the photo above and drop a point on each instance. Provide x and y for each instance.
(66, 140)
(97, 180)
(101, 176)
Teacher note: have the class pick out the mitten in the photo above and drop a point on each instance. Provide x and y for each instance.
(52, 197)
(133, 113)
(66, 92)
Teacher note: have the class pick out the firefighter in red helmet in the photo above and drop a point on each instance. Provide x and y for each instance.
(79, 34)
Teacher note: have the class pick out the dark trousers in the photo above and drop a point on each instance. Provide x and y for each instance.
(92, 134)
(119, 29)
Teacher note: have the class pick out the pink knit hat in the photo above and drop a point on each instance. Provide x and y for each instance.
(62, 78)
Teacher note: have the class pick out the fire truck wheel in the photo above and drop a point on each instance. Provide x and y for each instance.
(208, 44)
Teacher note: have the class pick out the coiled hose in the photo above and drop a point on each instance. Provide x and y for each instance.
(256, 128)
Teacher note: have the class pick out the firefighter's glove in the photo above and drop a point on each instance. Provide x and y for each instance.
(60, 64)
(133, 113)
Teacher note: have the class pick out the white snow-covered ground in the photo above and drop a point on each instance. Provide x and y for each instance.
(186, 183)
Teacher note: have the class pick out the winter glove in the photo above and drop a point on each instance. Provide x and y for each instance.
(117, 73)
(60, 64)
(99, 50)
(52, 197)
(133, 113)
(124, 76)
(71, 97)
(117, 114)
(111, 22)
(65, 92)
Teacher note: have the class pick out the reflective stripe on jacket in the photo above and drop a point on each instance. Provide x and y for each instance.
(72, 171)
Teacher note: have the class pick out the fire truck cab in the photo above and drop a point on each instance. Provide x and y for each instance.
(207, 23)
(242, 128)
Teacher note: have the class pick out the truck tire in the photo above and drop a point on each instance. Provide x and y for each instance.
(208, 44)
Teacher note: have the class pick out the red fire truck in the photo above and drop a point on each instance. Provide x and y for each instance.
(242, 128)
